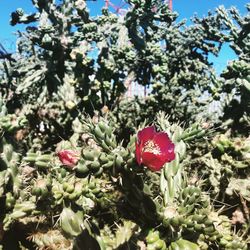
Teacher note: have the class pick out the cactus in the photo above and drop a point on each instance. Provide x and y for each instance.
(73, 170)
(154, 242)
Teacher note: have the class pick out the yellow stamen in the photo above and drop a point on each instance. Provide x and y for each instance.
(151, 147)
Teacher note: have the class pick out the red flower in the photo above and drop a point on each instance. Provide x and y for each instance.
(68, 157)
(153, 149)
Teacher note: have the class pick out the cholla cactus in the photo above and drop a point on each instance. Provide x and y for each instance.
(107, 178)
(73, 178)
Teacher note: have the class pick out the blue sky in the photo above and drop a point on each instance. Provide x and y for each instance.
(185, 8)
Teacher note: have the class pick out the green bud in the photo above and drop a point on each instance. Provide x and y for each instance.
(96, 190)
(10, 200)
(82, 169)
(105, 146)
(118, 161)
(71, 222)
(199, 218)
(72, 196)
(103, 158)
(98, 133)
(174, 246)
(41, 164)
(58, 195)
(209, 230)
(223, 242)
(25, 206)
(36, 191)
(70, 189)
(94, 165)
(65, 186)
(220, 148)
(175, 221)
(189, 223)
(44, 158)
(213, 238)
(208, 222)
(8, 151)
(109, 131)
(228, 237)
(92, 185)
(30, 158)
(103, 126)
(198, 227)
(187, 245)
(166, 222)
(18, 214)
(31, 154)
(88, 155)
(152, 237)
(110, 142)
(160, 244)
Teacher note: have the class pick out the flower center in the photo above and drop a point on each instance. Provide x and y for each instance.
(151, 147)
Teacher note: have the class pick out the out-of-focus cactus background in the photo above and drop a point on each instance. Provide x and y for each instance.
(66, 88)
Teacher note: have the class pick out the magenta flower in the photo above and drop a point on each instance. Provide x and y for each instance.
(153, 149)
(68, 157)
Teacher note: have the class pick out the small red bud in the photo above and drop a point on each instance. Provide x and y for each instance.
(68, 157)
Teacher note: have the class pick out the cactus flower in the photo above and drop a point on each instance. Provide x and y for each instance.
(68, 157)
(153, 149)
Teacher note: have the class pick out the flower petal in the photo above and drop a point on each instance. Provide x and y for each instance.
(68, 157)
(166, 146)
(138, 153)
(146, 134)
(162, 139)
(152, 161)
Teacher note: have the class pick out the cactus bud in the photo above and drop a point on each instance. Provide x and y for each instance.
(68, 158)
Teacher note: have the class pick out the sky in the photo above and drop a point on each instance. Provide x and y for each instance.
(186, 9)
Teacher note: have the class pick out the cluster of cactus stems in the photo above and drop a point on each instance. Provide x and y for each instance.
(157, 210)
(69, 171)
